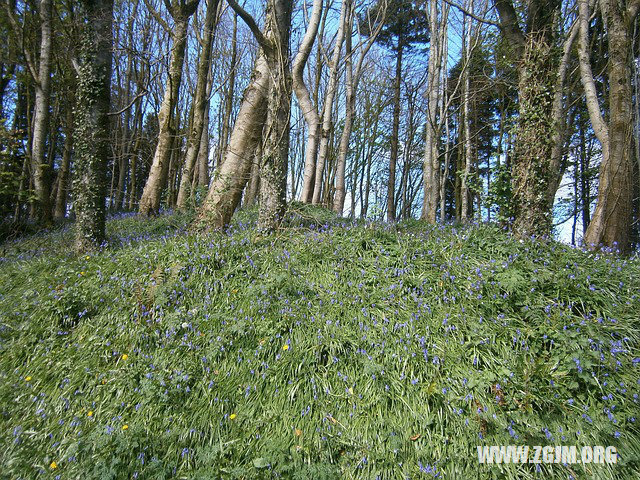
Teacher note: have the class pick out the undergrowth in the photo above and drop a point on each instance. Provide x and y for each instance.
(326, 350)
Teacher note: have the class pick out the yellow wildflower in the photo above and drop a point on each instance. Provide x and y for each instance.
(53, 465)
(90, 414)
(232, 416)
(125, 427)
(285, 347)
(27, 379)
(298, 432)
(125, 356)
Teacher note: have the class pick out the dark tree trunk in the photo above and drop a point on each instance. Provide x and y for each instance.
(395, 132)
(92, 123)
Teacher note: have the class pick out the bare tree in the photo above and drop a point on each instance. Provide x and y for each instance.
(352, 81)
(611, 221)
(309, 110)
(327, 107)
(265, 105)
(181, 11)
(200, 103)
(40, 73)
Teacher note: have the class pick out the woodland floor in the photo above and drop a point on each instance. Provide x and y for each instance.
(331, 349)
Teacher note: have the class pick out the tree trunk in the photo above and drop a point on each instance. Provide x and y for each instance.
(253, 188)
(535, 54)
(531, 167)
(274, 163)
(39, 166)
(561, 132)
(353, 80)
(92, 123)
(466, 207)
(203, 153)
(431, 164)
(133, 167)
(610, 225)
(231, 176)
(63, 175)
(150, 200)
(395, 132)
(309, 110)
(350, 110)
(327, 108)
(200, 103)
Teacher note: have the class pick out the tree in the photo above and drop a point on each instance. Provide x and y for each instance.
(436, 66)
(41, 75)
(265, 105)
(92, 123)
(611, 222)
(352, 80)
(200, 104)
(181, 11)
(326, 126)
(309, 110)
(533, 50)
(404, 25)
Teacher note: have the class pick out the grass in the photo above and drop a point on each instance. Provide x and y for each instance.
(327, 350)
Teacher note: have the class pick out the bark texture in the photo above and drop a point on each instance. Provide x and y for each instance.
(40, 167)
(273, 167)
(230, 178)
(92, 147)
(610, 224)
(537, 62)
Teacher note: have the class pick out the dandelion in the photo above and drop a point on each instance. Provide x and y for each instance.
(125, 427)
(285, 347)
(53, 465)
(27, 379)
(232, 416)
(90, 414)
(125, 356)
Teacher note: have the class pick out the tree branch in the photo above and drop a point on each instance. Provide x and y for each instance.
(253, 26)
(632, 11)
(135, 99)
(475, 17)
(18, 33)
(157, 16)
(600, 128)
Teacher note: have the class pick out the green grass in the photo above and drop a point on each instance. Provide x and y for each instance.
(327, 350)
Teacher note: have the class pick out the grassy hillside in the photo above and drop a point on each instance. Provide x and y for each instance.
(327, 350)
